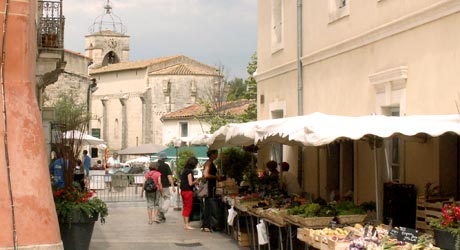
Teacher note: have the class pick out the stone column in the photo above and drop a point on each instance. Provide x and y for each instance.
(124, 121)
(27, 211)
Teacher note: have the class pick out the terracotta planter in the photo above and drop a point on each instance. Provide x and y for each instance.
(444, 239)
(77, 235)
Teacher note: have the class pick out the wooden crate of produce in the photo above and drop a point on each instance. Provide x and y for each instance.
(337, 244)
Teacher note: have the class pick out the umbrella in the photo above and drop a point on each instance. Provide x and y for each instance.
(86, 139)
(143, 149)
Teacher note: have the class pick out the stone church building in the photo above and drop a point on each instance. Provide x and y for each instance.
(132, 96)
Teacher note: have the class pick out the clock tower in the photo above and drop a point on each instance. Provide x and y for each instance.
(107, 43)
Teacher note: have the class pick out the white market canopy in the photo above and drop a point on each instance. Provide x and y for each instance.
(142, 159)
(86, 139)
(319, 129)
(142, 149)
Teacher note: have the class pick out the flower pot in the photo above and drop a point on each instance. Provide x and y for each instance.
(444, 239)
(77, 234)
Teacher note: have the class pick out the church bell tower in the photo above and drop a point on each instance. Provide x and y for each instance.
(107, 42)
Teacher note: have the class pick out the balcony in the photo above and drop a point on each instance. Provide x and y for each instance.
(50, 33)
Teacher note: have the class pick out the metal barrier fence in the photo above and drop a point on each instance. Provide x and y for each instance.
(117, 187)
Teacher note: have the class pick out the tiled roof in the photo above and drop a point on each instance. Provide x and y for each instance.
(233, 107)
(131, 65)
(76, 53)
(184, 69)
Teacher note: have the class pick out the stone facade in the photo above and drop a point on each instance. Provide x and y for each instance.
(133, 96)
(73, 80)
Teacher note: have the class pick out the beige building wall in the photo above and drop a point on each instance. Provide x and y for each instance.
(364, 58)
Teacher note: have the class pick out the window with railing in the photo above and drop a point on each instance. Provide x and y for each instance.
(50, 25)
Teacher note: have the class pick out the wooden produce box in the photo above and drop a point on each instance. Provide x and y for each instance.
(427, 211)
(243, 238)
(333, 244)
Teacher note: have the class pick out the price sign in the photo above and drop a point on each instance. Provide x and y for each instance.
(393, 233)
(408, 235)
(350, 235)
(333, 224)
(366, 230)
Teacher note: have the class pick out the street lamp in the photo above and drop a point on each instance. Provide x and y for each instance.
(177, 144)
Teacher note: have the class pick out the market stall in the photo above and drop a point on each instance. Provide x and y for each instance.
(319, 129)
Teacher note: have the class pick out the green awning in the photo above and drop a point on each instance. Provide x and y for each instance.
(200, 152)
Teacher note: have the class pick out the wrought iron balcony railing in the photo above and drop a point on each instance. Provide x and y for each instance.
(50, 32)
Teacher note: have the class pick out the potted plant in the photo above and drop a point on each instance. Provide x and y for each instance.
(77, 208)
(77, 211)
(447, 227)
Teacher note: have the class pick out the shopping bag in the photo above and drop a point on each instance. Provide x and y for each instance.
(202, 190)
(165, 203)
(231, 216)
(262, 234)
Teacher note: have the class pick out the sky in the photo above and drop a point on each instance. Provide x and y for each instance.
(214, 32)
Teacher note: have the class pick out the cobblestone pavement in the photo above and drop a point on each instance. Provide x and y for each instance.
(127, 227)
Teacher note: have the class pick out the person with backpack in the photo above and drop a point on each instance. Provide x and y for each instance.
(153, 191)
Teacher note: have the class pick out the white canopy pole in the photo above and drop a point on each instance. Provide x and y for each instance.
(377, 207)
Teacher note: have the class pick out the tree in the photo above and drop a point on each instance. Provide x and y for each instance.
(251, 93)
(72, 119)
(183, 155)
(250, 82)
(236, 89)
(215, 112)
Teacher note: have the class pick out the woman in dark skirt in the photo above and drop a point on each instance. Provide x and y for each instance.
(210, 174)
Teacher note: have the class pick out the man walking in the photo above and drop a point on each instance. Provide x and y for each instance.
(86, 165)
(86, 162)
(166, 181)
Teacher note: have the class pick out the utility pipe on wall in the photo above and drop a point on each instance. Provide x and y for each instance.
(299, 87)
(299, 59)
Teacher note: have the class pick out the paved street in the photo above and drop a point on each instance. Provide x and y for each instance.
(126, 227)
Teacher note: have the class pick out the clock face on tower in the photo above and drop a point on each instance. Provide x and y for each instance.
(112, 43)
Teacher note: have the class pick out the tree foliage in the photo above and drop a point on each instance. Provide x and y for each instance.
(71, 120)
(183, 155)
(236, 89)
(214, 112)
(235, 163)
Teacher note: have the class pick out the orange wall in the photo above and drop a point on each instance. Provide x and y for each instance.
(34, 213)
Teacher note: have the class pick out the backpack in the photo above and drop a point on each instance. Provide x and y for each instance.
(150, 185)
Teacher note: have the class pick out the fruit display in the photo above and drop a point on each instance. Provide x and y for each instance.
(360, 238)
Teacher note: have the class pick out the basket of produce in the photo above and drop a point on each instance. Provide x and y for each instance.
(351, 219)
(276, 215)
(349, 213)
(312, 215)
(315, 221)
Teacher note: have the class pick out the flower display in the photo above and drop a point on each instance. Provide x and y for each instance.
(449, 221)
(71, 199)
(450, 218)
